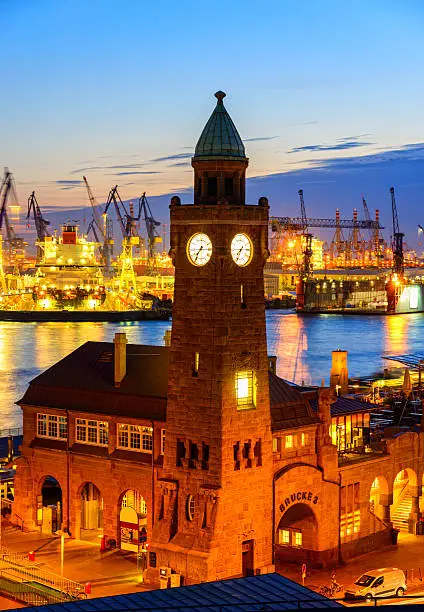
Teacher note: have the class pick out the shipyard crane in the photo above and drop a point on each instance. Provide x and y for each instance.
(40, 223)
(307, 237)
(375, 243)
(397, 238)
(14, 244)
(127, 222)
(151, 225)
(101, 227)
(297, 223)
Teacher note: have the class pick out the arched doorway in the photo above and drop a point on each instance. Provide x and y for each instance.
(91, 512)
(402, 498)
(297, 534)
(49, 508)
(379, 488)
(133, 521)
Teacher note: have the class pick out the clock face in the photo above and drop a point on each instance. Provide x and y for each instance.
(241, 249)
(199, 249)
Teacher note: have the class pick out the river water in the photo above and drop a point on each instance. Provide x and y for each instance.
(303, 346)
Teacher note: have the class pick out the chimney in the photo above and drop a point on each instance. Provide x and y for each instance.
(120, 358)
(339, 373)
(272, 364)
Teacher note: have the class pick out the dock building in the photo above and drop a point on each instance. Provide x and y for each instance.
(198, 454)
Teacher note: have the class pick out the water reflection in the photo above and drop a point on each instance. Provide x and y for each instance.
(397, 334)
(303, 346)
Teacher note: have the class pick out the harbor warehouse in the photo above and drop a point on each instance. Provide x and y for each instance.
(197, 455)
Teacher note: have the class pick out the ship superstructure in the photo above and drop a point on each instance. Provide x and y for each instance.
(68, 273)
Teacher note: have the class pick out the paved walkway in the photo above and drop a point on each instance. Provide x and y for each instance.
(110, 573)
(407, 555)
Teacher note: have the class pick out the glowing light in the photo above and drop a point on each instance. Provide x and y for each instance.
(46, 303)
(70, 260)
(243, 388)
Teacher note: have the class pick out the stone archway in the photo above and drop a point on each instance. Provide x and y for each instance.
(379, 498)
(132, 521)
(91, 512)
(49, 511)
(405, 508)
(297, 533)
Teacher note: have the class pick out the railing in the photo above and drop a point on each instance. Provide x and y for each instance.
(11, 431)
(31, 593)
(28, 571)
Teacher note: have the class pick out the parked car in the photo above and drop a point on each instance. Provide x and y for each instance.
(384, 582)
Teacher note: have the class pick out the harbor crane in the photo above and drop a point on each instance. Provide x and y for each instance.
(15, 245)
(101, 227)
(127, 222)
(307, 238)
(397, 238)
(40, 223)
(151, 225)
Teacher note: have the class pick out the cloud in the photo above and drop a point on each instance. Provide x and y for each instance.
(182, 163)
(67, 184)
(136, 172)
(172, 157)
(117, 167)
(341, 145)
(258, 138)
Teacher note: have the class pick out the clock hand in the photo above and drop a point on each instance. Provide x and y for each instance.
(198, 253)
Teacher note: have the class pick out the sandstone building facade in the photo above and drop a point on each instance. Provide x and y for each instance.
(197, 452)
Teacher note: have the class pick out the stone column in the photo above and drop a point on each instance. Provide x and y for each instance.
(415, 513)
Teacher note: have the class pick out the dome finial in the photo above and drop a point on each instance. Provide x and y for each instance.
(220, 95)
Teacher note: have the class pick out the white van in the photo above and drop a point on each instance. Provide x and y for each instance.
(384, 582)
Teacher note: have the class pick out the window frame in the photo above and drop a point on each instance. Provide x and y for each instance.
(133, 433)
(52, 422)
(89, 426)
(247, 402)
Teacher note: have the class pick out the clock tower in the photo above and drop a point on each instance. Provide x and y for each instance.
(213, 501)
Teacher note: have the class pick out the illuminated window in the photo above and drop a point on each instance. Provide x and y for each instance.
(284, 537)
(162, 441)
(289, 441)
(135, 437)
(297, 538)
(191, 507)
(245, 392)
(303, 439)
(52, 426)
(92, 432)
(274, 445)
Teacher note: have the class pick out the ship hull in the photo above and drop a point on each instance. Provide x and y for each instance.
(99, 316)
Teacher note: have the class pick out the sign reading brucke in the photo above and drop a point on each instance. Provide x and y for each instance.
(300, 496)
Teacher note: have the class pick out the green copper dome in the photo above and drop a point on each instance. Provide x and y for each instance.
(220, 138)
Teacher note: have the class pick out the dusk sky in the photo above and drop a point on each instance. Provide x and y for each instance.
(120, 91)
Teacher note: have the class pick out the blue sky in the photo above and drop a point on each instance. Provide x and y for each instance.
(120, 90)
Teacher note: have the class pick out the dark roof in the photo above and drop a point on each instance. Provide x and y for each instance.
(288, 408)
(220, 138)
(83, 381)
(241, 594)
(345, 405)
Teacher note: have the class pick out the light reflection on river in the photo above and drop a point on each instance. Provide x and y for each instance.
(303, 346)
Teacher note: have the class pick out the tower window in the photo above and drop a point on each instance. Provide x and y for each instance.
(212, 186)
(229, 186)
(245, 391)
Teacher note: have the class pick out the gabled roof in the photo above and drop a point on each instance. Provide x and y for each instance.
(83, 381)
(288, 407)
(346, 405)
(220, 138)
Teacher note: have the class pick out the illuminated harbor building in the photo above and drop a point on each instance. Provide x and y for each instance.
(199, 449)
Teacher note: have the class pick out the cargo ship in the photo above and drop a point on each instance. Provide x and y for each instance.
(69, 285)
